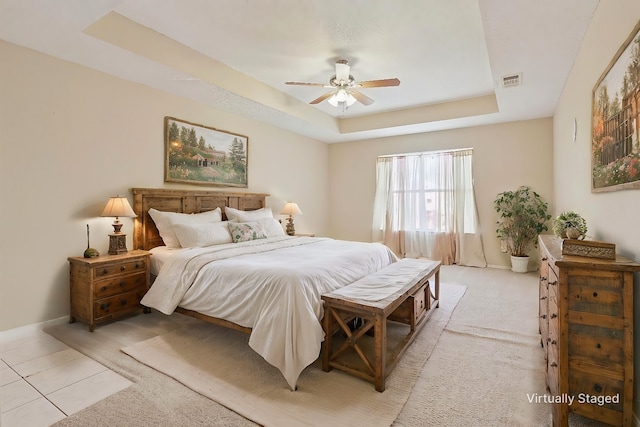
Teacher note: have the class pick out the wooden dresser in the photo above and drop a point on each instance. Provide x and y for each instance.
(107, 287)
(586, 323)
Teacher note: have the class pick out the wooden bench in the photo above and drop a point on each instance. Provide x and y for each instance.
(401, 293)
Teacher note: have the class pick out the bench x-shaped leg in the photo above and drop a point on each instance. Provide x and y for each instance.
(379, 324)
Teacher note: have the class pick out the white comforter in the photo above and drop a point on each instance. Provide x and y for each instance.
(270, 285)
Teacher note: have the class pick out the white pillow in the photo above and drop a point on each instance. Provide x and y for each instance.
(272, 227)
(247, 216)
(166, 220)
(205, 234)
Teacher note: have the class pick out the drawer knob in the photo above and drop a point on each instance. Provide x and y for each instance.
(555, 282)
(595, 294)
(597, 387)
(105, 271)
(137, 265)
(544, 258)
(543, 298)
(598, 345)
(554, 315)
(123, 302)
(123, 284)
(123, 268)
(104, 306)
(544, 316)
(104, 288)
(554, 364)
(543, 279)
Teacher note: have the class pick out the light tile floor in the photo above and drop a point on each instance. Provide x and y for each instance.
(43, 381)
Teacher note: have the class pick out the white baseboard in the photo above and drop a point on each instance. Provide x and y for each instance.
(20, 331)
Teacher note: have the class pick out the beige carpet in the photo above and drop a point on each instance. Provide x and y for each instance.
(219, 364)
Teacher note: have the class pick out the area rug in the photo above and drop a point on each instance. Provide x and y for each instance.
(219, 364)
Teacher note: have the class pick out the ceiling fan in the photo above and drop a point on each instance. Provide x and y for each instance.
(345, 89)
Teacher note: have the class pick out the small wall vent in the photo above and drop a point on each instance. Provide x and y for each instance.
(512, 80)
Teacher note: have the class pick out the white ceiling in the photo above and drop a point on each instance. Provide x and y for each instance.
(235, 55)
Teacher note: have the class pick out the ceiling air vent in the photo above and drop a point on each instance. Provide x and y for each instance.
(512, 80)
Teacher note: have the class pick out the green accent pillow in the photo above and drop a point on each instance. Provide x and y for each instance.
(245, 231)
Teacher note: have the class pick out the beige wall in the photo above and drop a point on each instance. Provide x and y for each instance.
(72, 137)
(611, 216)
(504, 157)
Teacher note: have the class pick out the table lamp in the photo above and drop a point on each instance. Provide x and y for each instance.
(117, 207)
(290, 209)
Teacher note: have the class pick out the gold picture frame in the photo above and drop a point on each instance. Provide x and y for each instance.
(203, 155)
(615, 121)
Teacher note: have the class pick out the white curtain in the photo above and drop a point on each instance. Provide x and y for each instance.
(425, 207)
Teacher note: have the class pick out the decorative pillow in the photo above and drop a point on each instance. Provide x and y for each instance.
(166, 220)
(245, 231)
(201, 235)
(247, 216)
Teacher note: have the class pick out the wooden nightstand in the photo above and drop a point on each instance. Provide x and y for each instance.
(107, 287)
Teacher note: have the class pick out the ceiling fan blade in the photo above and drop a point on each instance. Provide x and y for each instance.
(378, 83)
(342, 70)
(361, 97)
(322, 98)
(304, 84)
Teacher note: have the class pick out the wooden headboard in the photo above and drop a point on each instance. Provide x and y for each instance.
(145, 233)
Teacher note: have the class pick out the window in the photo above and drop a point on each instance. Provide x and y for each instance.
(425, 204)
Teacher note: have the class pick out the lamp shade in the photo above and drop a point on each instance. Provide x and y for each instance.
(118, 206)
(291, 208)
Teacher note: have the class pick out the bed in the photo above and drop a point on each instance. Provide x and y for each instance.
(269, 287)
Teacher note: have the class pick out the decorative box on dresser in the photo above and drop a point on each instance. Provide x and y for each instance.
(108, 286)
(586, 323)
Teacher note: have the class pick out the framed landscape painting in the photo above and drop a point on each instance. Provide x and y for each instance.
(615, 125)
(197, 154)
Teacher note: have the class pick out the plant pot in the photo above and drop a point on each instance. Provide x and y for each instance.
(519, 264)
(573, 233)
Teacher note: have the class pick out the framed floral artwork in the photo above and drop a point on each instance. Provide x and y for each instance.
(198, 154)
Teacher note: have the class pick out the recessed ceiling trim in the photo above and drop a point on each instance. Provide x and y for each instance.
(487, 104)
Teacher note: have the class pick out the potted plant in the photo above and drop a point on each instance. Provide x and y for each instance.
(522, 216)
(570, 225)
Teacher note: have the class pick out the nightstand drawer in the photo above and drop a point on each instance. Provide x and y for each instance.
(119, 285)
(104, 271)
(115, 304)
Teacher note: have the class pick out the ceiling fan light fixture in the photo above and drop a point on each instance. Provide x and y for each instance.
(344, 85)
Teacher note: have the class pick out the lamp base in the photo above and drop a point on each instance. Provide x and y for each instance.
(117, 244)
(291, 231)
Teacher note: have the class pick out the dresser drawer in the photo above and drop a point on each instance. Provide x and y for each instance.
(587, 383)
(118, 304)
(599, 345)
(553, 284)
(597, 294)
(108, 270)
(119, 285)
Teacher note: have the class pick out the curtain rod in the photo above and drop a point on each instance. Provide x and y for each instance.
(426, 152)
